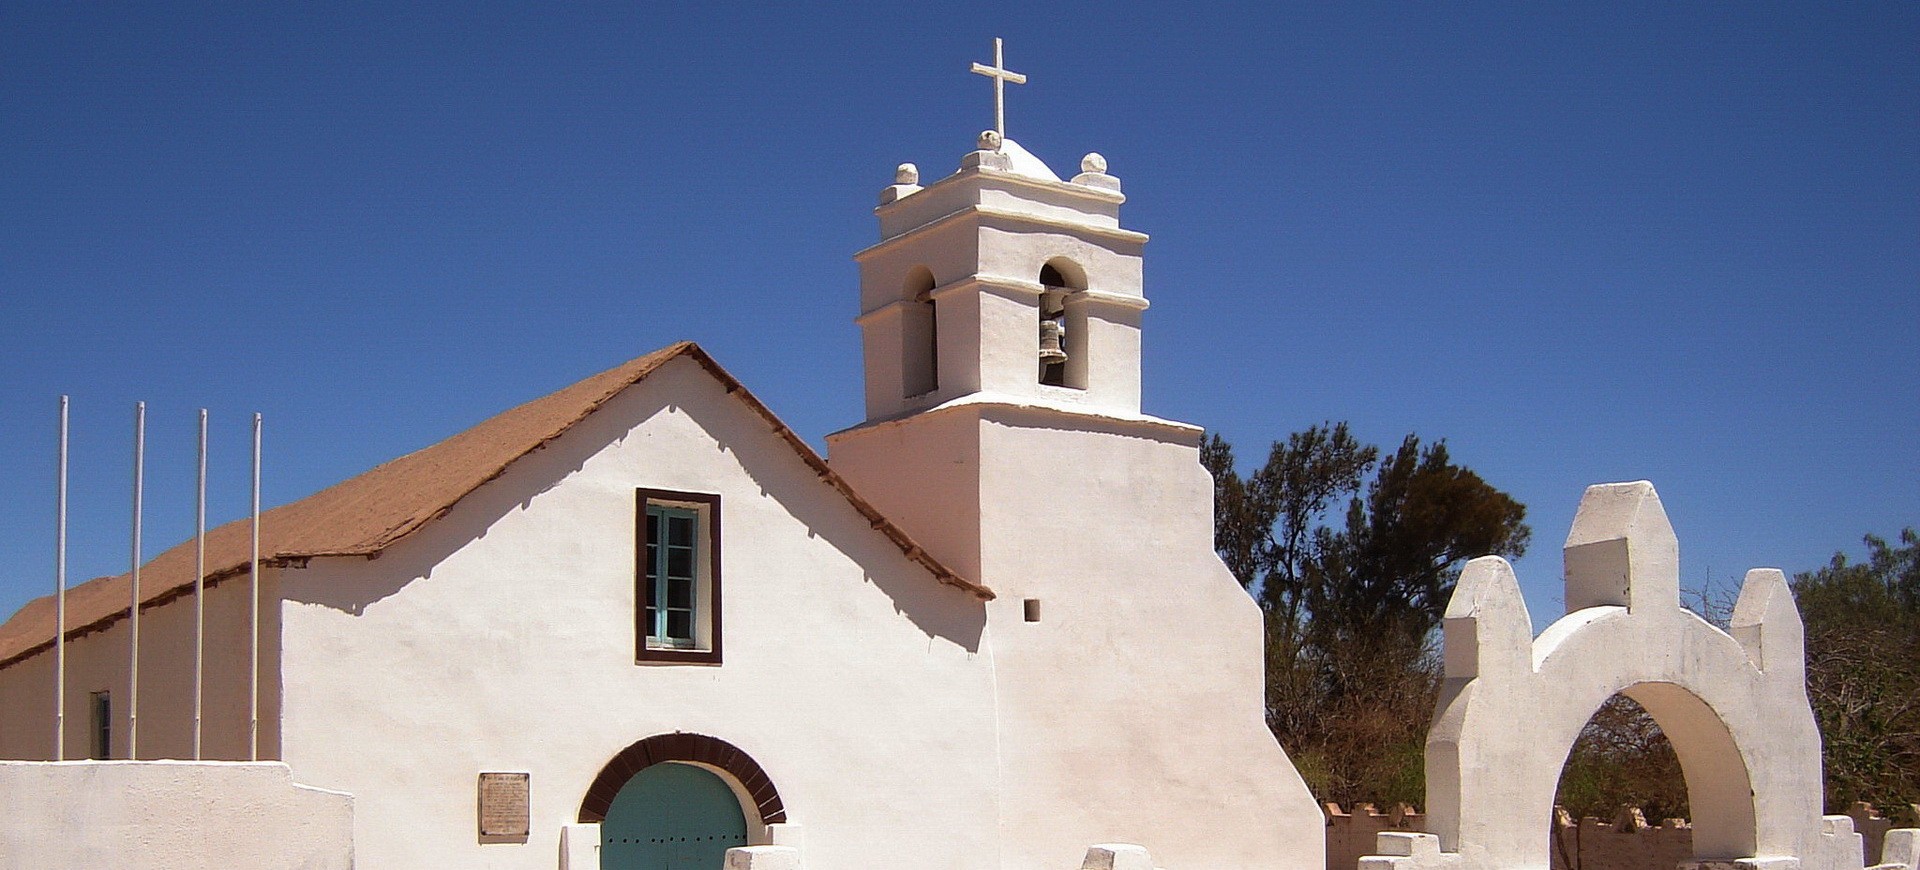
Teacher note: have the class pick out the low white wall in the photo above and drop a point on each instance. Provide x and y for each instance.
(168, 814)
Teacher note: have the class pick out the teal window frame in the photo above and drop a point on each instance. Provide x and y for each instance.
(677, 577)
(673, 574)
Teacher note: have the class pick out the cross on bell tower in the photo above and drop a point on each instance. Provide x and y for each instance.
(1001, 76)
(1002, 283)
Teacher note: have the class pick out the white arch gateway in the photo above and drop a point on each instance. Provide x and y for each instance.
(1733, 704)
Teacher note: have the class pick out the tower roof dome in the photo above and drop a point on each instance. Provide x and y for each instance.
(1023, 162)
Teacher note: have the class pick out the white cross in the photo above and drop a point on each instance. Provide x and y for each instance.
(1000, 75)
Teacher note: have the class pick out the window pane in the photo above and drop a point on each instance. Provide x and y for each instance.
(679, 593)
(680, 530)
(652, 622)
(680, 624)
(679, 562)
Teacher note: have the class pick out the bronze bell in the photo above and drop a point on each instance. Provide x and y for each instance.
(1050, 352)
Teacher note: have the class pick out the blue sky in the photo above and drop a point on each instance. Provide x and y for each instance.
(1581, 242)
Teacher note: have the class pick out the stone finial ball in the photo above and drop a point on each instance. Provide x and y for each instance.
(1093, 162)
(989, 140)
(906, 173)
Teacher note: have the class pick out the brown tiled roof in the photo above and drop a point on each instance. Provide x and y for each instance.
(364, 515)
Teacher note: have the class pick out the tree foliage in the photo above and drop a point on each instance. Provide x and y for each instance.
(1863, 671)
(1622, 759)
(1352, 558)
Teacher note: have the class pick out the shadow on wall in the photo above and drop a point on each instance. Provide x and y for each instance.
(936, 609)
(415, 556)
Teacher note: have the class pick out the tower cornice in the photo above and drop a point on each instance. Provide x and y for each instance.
(1021, 219)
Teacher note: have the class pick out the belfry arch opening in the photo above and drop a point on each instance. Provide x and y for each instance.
(919, 335)
(1659, 748)
(1064, 344)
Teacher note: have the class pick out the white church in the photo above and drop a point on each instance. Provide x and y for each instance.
(639, 624)
(642, 614)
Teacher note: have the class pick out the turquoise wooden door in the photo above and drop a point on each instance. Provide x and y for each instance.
(671, 817)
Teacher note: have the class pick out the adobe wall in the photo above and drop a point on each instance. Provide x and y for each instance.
(97, 661)
(1626, 842)
(1351, 835)
(1118, 718)
(159, 815)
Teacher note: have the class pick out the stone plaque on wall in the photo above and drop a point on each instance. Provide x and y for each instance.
(503, 806)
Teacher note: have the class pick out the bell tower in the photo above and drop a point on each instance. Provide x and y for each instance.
(1000, 315)
(1001, 282)
(1000, 289)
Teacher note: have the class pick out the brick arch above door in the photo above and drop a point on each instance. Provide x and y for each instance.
(682, 747)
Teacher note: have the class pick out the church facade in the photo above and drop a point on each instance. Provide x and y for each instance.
(640, 617)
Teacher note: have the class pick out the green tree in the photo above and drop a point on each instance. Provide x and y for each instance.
(1863, 671)
(1352, 598)
(1384, 579)
(1622, 759)
(1264, 523)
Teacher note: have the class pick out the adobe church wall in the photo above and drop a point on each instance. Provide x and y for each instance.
(98, 662)
(1133, 710)
(501, 638)
(166, 815)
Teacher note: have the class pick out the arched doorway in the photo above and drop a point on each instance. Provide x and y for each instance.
(672, 816)
(678, 802)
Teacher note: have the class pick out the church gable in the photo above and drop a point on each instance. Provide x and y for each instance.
(368, 513)
(515, 628)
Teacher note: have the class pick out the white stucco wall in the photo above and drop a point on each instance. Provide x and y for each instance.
(500, 638)
(1733, 703)
(1132, 711)
(159, 815)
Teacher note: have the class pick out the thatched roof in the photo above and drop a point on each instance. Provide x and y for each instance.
(366, 514)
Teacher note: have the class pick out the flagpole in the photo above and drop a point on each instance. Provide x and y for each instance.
(200, 587)
(253, 694)
(133, 607)
(60, 599)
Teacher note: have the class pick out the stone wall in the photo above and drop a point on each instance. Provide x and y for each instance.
(1626, 842)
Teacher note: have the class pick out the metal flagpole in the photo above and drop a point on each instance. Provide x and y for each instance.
(253, 694)
(60, 600)
(133, 607)
(200, 588)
